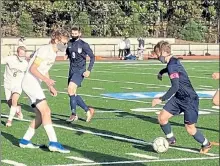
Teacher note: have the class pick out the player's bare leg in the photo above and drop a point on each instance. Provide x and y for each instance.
(198, 136)
(13, 109)
(215, 99)
(72, 87)
(163, 119)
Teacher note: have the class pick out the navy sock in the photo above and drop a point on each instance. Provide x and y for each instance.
(81, 103)
(167, 130)
(200, 138)
(73, 104)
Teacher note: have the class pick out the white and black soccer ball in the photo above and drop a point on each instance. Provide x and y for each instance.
(160, 145)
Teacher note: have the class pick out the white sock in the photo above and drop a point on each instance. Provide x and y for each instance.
(205, 142)
(12, 113)
(29, 134)
(50, 133)
(170, 135)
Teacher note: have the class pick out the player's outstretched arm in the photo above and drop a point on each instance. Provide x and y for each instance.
(160, 74)
(174, 88)
(89, 52)
(36, 73)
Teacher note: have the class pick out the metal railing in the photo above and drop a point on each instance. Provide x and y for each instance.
(112, 50)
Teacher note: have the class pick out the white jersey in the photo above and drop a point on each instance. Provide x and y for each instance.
(47, 56)
(14, 71)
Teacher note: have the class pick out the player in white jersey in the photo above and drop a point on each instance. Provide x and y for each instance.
(37, 72)
(15, 68)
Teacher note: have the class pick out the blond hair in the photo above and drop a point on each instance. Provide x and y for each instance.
(162, 46)
(21, 48)
(57, 34)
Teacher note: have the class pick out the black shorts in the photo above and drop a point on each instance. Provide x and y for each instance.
(76, 77)
(188, 106)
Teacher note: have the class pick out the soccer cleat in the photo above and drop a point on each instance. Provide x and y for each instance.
(8, 124)
(172, 140)
(206, 148)
(27, 144)
(19, 113)
(90, 113)
(72, 118)
(57, 147)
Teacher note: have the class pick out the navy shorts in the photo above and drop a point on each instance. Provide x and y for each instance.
(76, 77)
(188, 106)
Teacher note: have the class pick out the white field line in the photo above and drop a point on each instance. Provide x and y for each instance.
(216, 107)
(95, 88)
(210, 110)
(206, 89)
(80, 159)
(109, 111)
(205, 86)
(14, 163)
(117, 137)
(141, 161)
(102, 97)
(112, 81)
(126, 88)
(143, 156)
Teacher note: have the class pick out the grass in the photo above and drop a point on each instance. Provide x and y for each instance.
(127, 124)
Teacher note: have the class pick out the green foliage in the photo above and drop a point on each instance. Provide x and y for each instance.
(26, 24)
(149, 18)
(193, 31)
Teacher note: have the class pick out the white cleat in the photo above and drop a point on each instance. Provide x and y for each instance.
(27, 144)
(57, 147)
(90, 113)
(72, 118)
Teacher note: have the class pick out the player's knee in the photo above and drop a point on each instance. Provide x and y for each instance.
(71, 91)
(14, 102)
(191, 129)
(162, 119)
(215, 101)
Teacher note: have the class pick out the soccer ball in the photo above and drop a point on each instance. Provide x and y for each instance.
(160, 145)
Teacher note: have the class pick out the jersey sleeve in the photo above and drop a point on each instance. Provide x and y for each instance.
(174, 78)
(89, 52)
(173, 71)
(40, 56)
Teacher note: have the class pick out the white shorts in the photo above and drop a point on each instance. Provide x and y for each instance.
(32, 87)
(10, 91)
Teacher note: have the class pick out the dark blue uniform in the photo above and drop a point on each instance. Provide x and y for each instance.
(184, 97)
(77, 52)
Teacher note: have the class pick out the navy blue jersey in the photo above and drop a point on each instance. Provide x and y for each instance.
(181, 85)
(77, 52)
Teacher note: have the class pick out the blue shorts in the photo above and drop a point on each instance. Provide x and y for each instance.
(76, 77)
(188, 106)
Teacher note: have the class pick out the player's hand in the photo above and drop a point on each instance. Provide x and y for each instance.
(53, 91)
(49, 82)
(215, 76)
(86, 73)
(159, 76)
(155, 102)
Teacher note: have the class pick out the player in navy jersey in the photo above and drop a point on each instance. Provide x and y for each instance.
(77, 51)
(181, 98)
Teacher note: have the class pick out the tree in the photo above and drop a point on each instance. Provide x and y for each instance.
(26, 24)
(84, 22)
(193, 31)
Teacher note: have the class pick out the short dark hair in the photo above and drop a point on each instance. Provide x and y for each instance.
(76, 29)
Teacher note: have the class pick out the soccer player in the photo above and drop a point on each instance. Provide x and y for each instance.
(15, 68)
(37, 72)
(76, 52)
(215, 99)
(181, 98)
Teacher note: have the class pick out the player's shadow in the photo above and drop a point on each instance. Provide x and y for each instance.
(145, 148)
(102, 133)
(101, 158)
(11, 138)
(23, 106)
